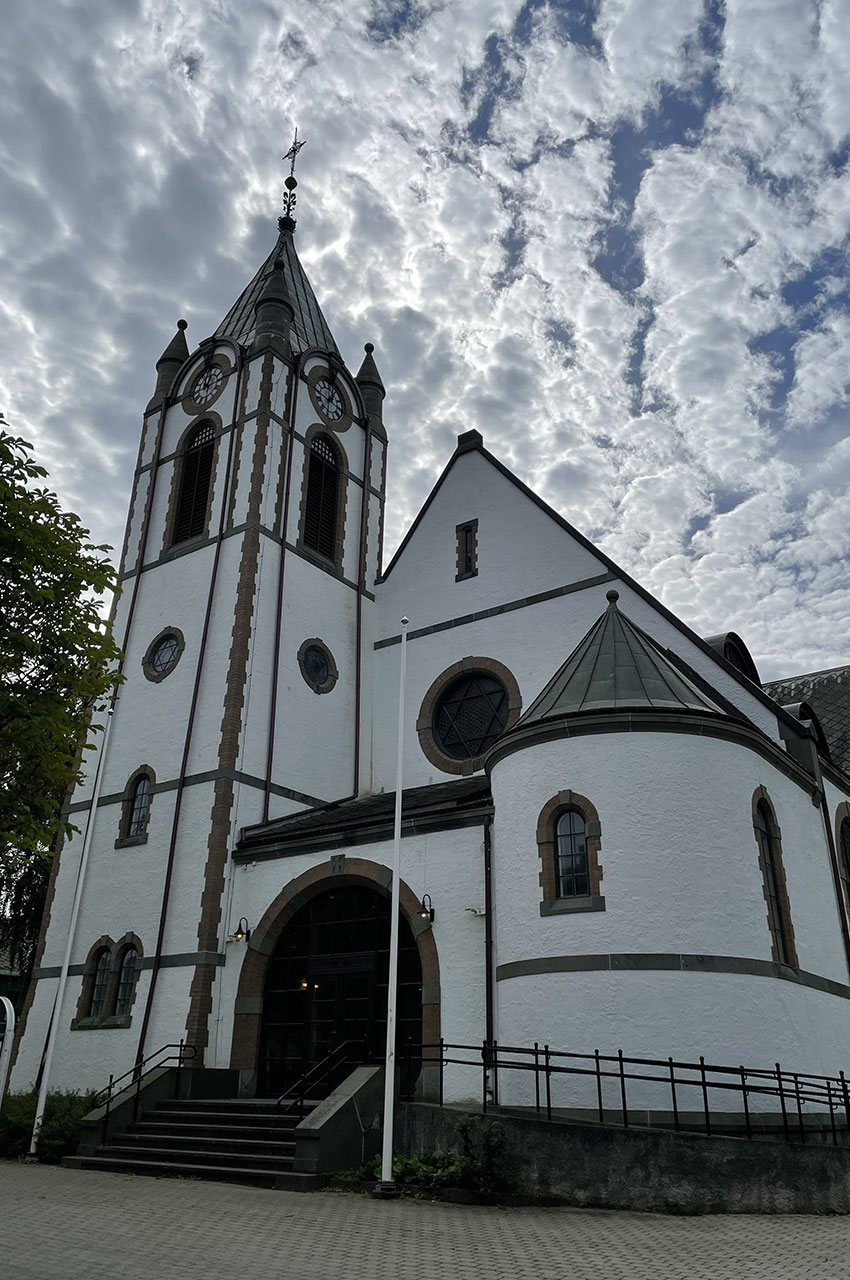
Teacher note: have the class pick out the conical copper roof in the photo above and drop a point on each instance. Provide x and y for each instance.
(616, 666)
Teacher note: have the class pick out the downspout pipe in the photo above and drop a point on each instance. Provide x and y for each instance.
(72, 930)
(489, 1020)
(50, 1044)
(181, 780)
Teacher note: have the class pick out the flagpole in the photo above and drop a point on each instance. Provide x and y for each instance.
(386, 1184)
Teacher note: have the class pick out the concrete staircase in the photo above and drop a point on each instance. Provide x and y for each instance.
(229, 1140)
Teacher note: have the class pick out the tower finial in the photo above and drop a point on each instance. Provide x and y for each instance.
(291, 182)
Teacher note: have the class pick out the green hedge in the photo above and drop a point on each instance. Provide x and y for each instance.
(60, 1129)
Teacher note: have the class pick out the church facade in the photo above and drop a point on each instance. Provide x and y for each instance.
(612, 836)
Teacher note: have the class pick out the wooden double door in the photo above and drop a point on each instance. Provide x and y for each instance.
(327, 982)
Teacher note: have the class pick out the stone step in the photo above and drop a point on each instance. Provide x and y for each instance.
(281, 1180)
(232, 1119)
(236, 1106)
(191, 1155)
(195, 1132)
(189, 1140)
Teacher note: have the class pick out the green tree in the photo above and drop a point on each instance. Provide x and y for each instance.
(58, 666)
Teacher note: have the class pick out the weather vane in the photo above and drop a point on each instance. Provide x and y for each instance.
(291, 182)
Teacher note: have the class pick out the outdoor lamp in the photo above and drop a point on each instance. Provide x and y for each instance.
(243, 933)
(426, 911)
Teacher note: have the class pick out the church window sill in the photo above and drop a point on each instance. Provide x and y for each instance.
(124, 842)
(567, 906)
(114, 1023)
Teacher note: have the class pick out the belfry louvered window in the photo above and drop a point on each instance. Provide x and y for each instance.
(320, 513)
(194, 483)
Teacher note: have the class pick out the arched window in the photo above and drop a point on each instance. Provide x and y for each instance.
(97, 1001)
(769, 844)
(140, 806)
(844, 855)
(126, 981)
(195, 475)
(322, 499)
(572, 878)
(569, 841)
(136, 808)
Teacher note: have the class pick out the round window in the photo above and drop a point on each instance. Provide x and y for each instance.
(470, 715)
(317, 666)
(163, 654)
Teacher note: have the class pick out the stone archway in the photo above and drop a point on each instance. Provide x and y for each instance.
(341, 872)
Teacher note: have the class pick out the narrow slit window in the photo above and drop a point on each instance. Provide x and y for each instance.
(844, 839)
(467, 550)
(320, 513)
(195, 477)
(774, 892)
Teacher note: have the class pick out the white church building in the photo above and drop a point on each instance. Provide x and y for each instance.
(612, 837)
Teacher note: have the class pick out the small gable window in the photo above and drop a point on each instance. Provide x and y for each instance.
(467, 550)
(321, 506)
(195, 475)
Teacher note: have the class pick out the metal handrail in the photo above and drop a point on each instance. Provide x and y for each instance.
(138, 1072)
(829, 1094)
(316, 1074)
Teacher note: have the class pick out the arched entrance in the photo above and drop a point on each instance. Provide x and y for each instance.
(326, 981)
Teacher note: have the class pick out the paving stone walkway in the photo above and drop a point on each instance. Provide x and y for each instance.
(67, 1224)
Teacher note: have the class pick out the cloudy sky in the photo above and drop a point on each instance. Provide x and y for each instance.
(610, 234)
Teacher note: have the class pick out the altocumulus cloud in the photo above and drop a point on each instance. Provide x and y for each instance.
(611, 236)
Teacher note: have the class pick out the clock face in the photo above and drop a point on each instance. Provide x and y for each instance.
(208, 384)
(328, 399)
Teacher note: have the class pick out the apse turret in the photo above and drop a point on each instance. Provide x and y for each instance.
(274, 312)
(167, 365)
(373, 391)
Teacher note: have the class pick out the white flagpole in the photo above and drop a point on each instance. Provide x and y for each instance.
(392, 991)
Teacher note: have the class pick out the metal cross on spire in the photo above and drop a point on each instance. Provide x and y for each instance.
(291, 182)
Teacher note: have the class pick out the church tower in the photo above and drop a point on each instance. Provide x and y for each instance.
(252, 547)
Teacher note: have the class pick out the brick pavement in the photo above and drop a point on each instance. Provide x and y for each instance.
(66, 1224)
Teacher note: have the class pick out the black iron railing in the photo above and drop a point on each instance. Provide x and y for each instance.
(348, 1052)
(800, 1097)
(159, 1058)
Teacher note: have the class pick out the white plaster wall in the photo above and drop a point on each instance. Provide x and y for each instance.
(679, 858)
(680, 875)
(448, 865)
(730, 1019)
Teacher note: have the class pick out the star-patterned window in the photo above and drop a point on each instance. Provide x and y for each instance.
(470, 715)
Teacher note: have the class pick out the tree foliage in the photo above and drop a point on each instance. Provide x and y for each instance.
(58, 664)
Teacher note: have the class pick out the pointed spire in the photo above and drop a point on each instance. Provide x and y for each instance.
(167, 365)
(274, 312)
(616, 666)
(372, 390)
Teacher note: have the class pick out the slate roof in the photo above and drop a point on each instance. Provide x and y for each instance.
(309, 328)
(828, 694)
(345, 822)
(616, 666)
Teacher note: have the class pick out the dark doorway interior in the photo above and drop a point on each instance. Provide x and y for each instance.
(327, 982)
